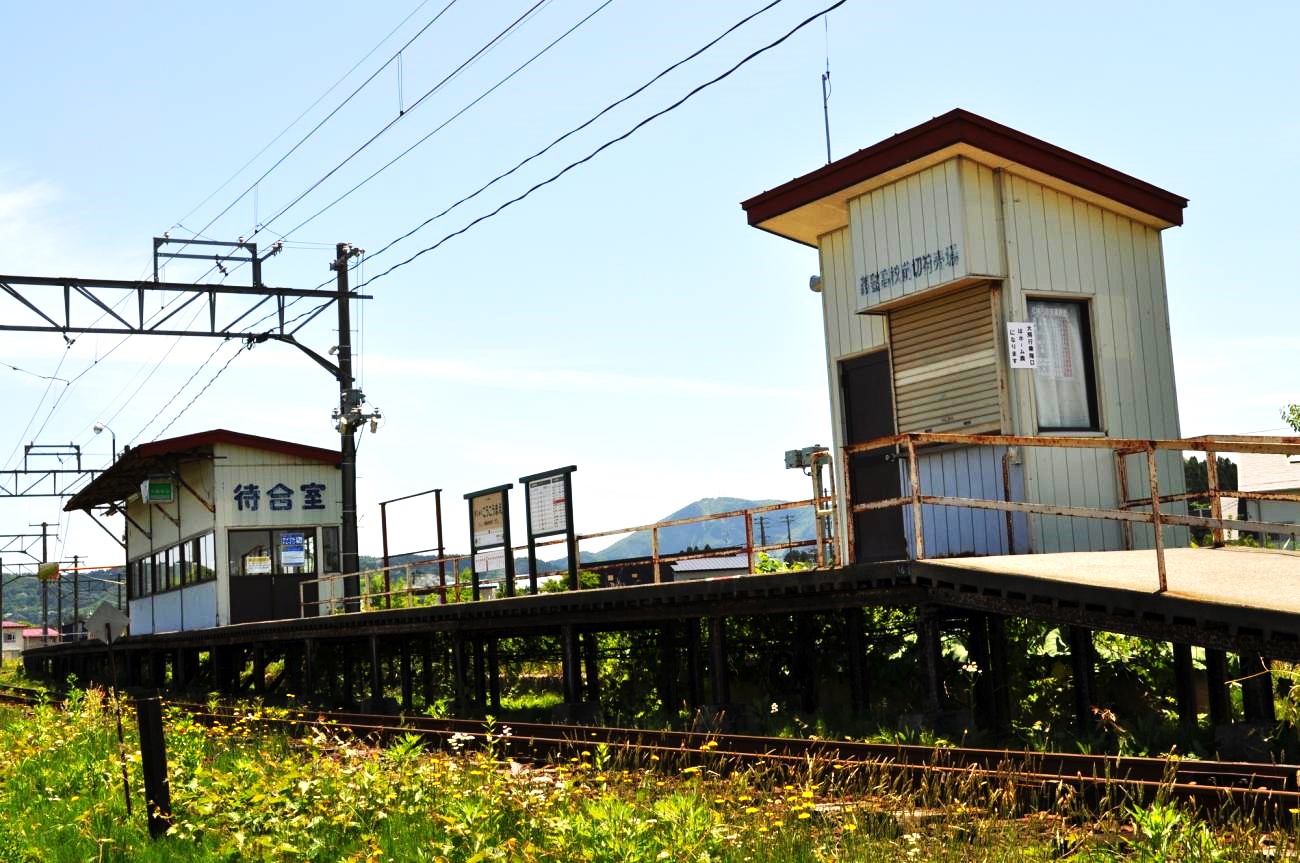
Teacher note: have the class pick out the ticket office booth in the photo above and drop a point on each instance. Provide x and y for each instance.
(222, 528)
(937, 245)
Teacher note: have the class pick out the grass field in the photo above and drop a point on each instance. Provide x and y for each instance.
(240, 794)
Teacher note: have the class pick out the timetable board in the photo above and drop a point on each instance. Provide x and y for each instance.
(547, 505)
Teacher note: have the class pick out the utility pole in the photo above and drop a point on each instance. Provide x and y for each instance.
(350, 417)
(762, 529)
(45, 586)
(788, 538)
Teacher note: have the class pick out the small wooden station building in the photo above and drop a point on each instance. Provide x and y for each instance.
(932, 242)
(222, 527)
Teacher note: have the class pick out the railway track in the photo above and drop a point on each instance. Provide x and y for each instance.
(25, 695)
(1261, 788)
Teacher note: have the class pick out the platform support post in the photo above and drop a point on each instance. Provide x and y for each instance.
(480, 676)
(805, 662)
(570, 665)
(494, 673)
(720, 685)
(180, 668)
(1185, 687)
(977, 648)
(259, 668)
(404, 671)
(694, 671)
(376, 676)
(929, 640)
(1082, 662)
(591, 667)
(308, 671)
(460, 674)
(996, 626)
(158, 668)
(426, 673)
(668, 668)
(854, 644)
(347, 674)
(1216, 680)
(1257, 688)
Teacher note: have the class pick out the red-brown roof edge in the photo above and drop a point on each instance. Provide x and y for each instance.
(961, 126)
(213, 436)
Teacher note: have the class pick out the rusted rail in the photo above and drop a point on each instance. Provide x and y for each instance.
(1257, 787)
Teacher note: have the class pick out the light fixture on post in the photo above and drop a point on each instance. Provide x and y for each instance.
(100, 428)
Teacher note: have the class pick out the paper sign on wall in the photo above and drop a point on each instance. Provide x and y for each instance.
(293, 551)
(1022, 345)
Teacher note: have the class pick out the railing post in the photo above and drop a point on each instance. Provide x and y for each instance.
(749, 539)
(850, 553)
(1157, 523)
(1216, 503)
(654, 553)
(410, 587)
(1121, 496)
(1006, 497)
(914, 474)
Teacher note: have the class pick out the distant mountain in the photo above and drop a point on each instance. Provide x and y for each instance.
(718, 533)
(21, 598)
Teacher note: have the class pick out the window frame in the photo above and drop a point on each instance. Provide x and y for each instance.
(1089, 363)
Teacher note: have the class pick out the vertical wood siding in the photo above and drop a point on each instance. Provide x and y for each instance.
(911, 225)
(1059, 246)
(974, 472)
(847, 334)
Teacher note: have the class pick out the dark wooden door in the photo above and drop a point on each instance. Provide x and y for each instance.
(868, 406)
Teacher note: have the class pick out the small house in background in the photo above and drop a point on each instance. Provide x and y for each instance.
(1270, 472)
(222, 527)
(34, 636)
(938, 246)
(12, 640)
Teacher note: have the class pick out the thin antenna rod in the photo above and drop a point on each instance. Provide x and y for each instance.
(826, 90)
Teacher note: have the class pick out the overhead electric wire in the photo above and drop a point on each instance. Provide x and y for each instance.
(210, 382)
(330, 115)
(444, 124)
(435, 88)
(44, 395)
(602, 147)
(265, 226)
(602, 112)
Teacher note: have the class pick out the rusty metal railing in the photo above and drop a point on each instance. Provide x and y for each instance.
(1124, 512)
(401, 586)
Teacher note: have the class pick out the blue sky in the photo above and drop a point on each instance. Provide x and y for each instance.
(624, 319)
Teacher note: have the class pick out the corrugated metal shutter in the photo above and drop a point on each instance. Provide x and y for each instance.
(946, 364)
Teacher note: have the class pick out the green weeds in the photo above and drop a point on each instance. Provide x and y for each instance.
(239, 793)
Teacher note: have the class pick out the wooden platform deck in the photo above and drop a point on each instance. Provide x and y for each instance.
(1240, 600)
(1264, 579)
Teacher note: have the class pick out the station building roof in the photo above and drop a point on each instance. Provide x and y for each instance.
(811, 205)
(136, 464)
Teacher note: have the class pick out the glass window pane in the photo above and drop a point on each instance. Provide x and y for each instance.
(207, 557)
(1061, 377)
(330, 545)
(250, 552)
